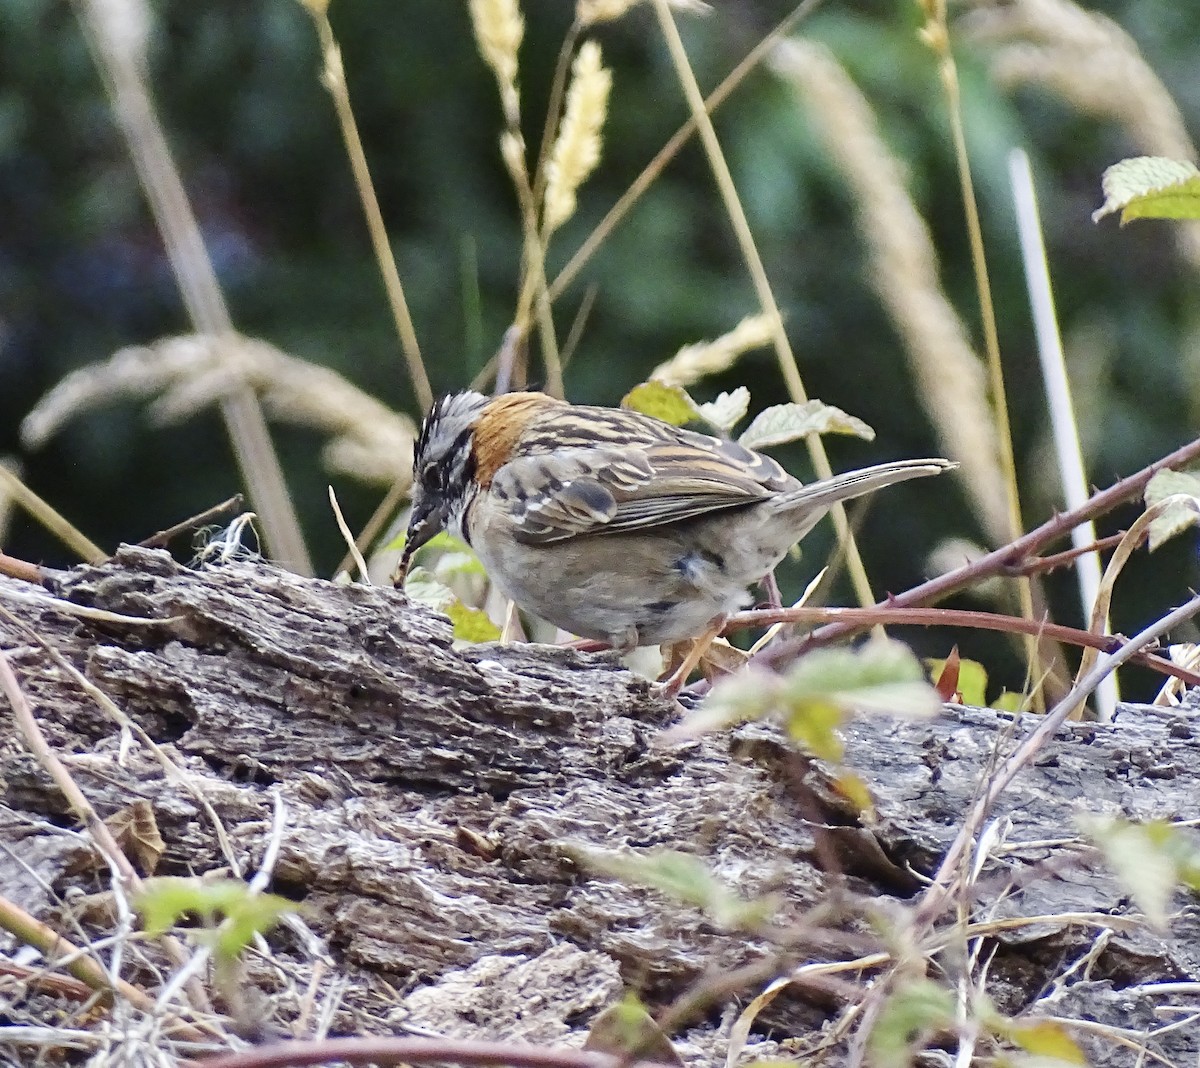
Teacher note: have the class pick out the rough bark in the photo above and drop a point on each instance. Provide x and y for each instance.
(436, 798)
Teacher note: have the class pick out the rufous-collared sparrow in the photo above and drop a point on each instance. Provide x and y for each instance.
(611, 524)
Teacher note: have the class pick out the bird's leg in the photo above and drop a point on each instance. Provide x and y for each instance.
(771, 588)
(671, 686)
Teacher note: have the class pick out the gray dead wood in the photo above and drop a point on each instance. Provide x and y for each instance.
(435, 798)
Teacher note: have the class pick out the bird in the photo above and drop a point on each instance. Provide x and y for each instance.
(611, 524)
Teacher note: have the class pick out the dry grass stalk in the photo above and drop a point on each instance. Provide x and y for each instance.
(499, 27)
(1093, 64)
(368, 440)
(577, 149)
(695, 362)
(950, 378)
(116, 31)
(590, 12)
(333, 77)
(789, 369)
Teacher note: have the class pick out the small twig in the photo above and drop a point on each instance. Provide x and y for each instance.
(391, 1051)
(100, 834)
(1041, 565)
(85, 968)
(62, 528)
(197, 521)
(21, 569)
(351, 548)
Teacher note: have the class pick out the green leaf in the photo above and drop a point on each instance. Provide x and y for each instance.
(683, 877)
(1179, 515)
(232, 914)
(1010, 701)
(817, 693)
(1150, 187)
(782, 423)
(1148, 859)
(422, 587)
(472, 624)
(671, 404)
(1044, 1039)
(727, 410)
(442, 540)
(881, 676)
(972, 679)
(909, 1017)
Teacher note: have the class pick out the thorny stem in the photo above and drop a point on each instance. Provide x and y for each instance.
(996, 562)
(935, 896)
(947, 617)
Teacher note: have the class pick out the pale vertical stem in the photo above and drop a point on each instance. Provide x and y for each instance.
(1058, 397)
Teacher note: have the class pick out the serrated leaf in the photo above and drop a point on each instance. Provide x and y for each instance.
(782, 423)
(683, 877)
(671, 404)
(1179, 515)
(1044, 1039)
(909, 1017)
(816, 694)
(1143, 857)
(813, 722)
(881, 676)
(749, 695)
(1150, 187)
(727, 410)
(472, 624)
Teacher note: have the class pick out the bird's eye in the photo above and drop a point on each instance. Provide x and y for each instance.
(431, 477)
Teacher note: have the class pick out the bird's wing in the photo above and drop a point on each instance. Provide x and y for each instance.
(592, 470)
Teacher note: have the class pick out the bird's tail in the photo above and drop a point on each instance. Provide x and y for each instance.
(818, 496)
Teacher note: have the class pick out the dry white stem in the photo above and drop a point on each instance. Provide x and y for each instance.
(186, 374)
(949, 375)
(577, 148)
(121, 26)
(694, 362)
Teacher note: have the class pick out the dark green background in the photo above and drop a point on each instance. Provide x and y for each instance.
(82, 272)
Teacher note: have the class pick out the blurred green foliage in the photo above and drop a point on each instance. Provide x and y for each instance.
(82, 271)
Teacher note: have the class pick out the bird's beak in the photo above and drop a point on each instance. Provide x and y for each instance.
(426, 520)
